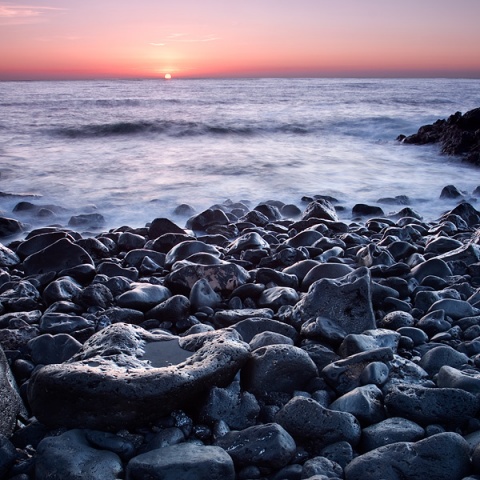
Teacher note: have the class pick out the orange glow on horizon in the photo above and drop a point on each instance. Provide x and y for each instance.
(314, 38)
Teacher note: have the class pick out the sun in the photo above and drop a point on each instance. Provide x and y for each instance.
(168, 76)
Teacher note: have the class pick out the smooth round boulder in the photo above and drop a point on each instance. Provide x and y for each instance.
(143, 296)
(278, 368)
(70, 456)
(444, 456)
(188, 461)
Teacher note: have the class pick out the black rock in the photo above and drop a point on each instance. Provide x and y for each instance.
(321, 209)
(160, 226)
(423, 459)
(9, 227)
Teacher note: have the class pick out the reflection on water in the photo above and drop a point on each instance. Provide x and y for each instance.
(165, 353)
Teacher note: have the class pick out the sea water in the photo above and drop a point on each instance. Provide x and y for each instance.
(134, 150)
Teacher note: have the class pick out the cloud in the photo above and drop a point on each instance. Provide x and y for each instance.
(185, 38)
(24, 14)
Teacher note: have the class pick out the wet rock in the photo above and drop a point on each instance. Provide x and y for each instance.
(11, 404)
(226, 318)
(277, 297)
(54, 323)
(206, 219)
(306, 419)
(143, 296)
(160, 226)
(369, 340)
(122, 377)
(9, 227)
(221, 278)
(344, 375)
(437, 357)
(46, 349)
(58, 256)
(325, 270)
(346, 300)
(397, 319)
(363, 210)
(423, 459)
(185, 460)
(64, 288)
(8, 455)
(321, 209)
(267, 446)
(450, 377)
(247, 241)
(321, 467)
(175, 309)
(250, 327)
(185, 249)
(95, 295)
(70, 456)
(434, 266)
(365, 403)
(87, 220)
(424, 405)
(237, 409)
(323, 328)
(8, 258)
(390, 430)
(203, 295)
(277, 368)
(269, 338)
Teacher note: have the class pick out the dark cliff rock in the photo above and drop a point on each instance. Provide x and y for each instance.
(458, 135)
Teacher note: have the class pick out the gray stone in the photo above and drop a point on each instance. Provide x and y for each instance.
(56, 257)
(324, 270)
(321, 467)
(391, 430)
(426, 458)
(306, 419)
(70, 457)
(39, 242)
(248, 241)
(455, 309)
(221, 278)
(64, 288)
(425, 405)
(251, 326)
(369, 340)
(8, 455)
(185, 249)
(46, 349)
(277, 368)
(266, 445)
(54, 323)
(365, 403)
(320, 208)
(203, 295)
(237, 409)
(127, 377)
(347, 301)
(226, 318)
(277, 297)
(437, 357)
(434, 266)
(11, 404)
(450, 377)
(269, 338)
(8, 258)
(143, 296)
(186, 461)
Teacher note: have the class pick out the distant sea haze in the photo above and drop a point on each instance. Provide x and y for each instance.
(134, 150)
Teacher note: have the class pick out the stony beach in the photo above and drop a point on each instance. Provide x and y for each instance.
(254, 342)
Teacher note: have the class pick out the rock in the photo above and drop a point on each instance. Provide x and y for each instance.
(269, 338)
(369, 340)
(206, 219)
(457, 135)
(277, 297)
(437, 357)
(203, 295)
(321, 209)
(136, 258)
(450, 191)
(455, 309)
(423, 459)
(143, 296)
(11, 404)
(8, 455)
(424, 405)
(128, 241)
(277, 368)
(346, 300)
(56, 257)
(321, 467)
(226, 318)
(306, 419)
(344, 375)
(111, 269)
(160, 226)
(324, 270)
(323, 328)
(239, 410)
(365, 403)
(267, 446)
(187, 461)
(450, 377)
(185, 249)
(469, 254)
(87, 220)
(247, 241)
(434, 266)
(466, 212)
(8, 258)
(221, 278)
(54, 323)
(64, 288)
(70, 456)
(9, 227)
(363, 210)
(250, 327)
(46, 349)
(109, 441)
(123, 378)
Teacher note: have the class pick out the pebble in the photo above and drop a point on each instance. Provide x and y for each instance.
(255, 346)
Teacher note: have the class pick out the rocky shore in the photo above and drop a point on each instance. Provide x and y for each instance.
(254, 343)
(458, 135)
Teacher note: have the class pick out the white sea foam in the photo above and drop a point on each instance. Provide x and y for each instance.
(136, 149)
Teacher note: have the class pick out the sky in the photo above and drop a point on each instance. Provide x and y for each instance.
(63, 39)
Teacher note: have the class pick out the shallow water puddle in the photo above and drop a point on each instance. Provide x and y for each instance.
(165, 353)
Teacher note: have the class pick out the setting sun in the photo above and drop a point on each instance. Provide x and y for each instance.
(168, 76)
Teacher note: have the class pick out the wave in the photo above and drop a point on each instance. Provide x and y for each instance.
(180, 129)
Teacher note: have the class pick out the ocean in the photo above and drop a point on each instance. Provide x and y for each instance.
(134, 150)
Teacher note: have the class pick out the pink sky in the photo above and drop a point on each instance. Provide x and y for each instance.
(204, 38)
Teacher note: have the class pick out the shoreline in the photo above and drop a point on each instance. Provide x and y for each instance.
(307, 338)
